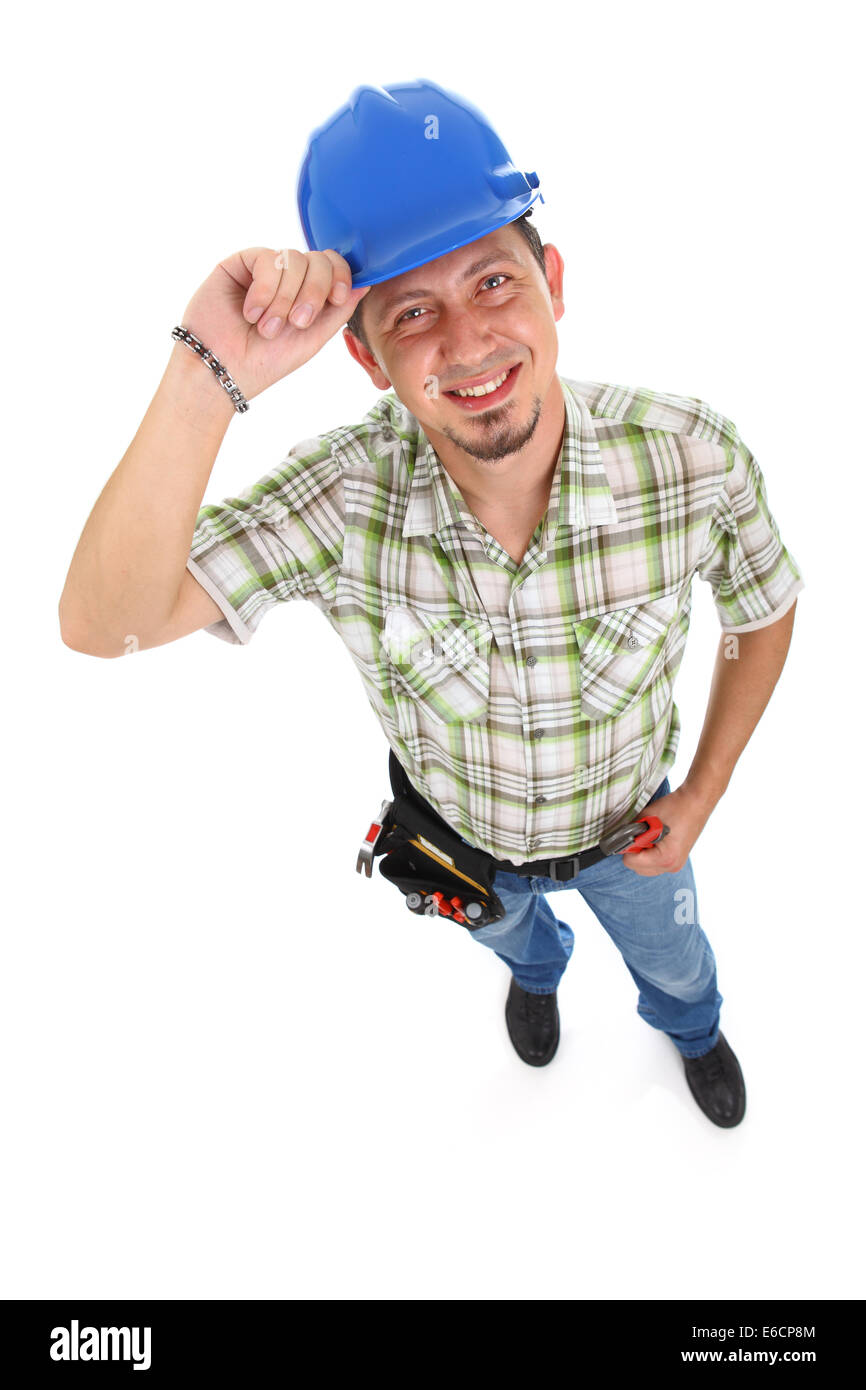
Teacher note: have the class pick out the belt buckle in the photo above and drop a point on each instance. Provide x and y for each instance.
(560, 864)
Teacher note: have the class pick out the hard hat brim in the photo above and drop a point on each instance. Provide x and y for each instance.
(434, 249)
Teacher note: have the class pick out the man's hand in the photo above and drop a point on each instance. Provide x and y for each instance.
(247, 311)
(686, 815)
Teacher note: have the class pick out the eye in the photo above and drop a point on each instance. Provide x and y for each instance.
(416, 309)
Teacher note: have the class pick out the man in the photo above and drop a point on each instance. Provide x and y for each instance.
(507, 553)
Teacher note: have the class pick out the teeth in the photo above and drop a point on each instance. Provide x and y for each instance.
(483, 390)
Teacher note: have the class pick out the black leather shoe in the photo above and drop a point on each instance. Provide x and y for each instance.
(716, 1082)
(532, 1021)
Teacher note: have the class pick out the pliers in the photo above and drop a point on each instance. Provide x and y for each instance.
(632, 838)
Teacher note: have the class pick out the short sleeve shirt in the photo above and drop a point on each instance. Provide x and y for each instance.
(532, 703)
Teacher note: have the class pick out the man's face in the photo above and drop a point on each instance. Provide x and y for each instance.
(467, 318)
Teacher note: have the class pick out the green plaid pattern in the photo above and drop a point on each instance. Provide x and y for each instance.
(531, 704)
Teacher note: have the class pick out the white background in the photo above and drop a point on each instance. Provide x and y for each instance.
(229, 1066)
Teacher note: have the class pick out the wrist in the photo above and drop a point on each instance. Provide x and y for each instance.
(195, 391)
(704, 789)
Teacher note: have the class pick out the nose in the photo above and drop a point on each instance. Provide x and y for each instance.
(466, 340)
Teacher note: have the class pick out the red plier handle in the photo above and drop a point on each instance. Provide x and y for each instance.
(656, 830)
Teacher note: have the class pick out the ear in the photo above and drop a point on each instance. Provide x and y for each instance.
(363, 355)
(555, 271)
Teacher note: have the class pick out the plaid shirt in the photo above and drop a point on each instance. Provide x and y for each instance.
(530, 704)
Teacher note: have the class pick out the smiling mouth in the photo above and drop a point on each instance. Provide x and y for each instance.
(490, 393)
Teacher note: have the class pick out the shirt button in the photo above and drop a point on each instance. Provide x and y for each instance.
(539, 800)
(532, 661)
(538, 733)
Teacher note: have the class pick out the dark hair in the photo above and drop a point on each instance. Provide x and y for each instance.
(523, 225)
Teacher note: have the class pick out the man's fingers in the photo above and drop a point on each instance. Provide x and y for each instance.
(341, 282)
(645, 861)
(277, 297)
(312, 291)
(297, 288)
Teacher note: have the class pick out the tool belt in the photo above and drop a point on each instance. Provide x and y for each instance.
(441, 875)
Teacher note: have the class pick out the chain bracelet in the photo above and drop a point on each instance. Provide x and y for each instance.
(183, 335)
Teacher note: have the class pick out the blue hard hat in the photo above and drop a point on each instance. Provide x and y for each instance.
(400, 175)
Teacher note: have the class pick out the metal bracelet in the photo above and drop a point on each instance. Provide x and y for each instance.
(183, 335)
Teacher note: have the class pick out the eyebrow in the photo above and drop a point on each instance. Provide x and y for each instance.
(492, 258)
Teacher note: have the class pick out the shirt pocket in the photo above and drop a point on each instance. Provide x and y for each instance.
(440, 664)
(621, 653)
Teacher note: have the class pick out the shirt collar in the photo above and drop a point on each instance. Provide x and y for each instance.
(580, 493)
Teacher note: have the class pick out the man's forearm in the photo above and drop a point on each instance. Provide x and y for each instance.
(131, 557)
(744, 678)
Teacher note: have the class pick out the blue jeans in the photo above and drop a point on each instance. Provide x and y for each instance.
(653, 922)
